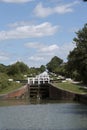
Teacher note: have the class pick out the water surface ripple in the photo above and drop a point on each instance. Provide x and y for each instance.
(56, 116)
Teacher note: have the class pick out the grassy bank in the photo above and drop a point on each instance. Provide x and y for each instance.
(76, 88)
(11, 87)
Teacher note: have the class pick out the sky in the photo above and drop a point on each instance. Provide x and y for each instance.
(34, 31)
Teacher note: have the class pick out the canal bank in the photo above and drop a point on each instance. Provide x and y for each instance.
(58, 93)
(45, 91)
(20, 93)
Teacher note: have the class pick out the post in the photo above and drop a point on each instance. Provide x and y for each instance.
(33, 80)
(38, 80)
(28, 80)
(48, 80)
(43, 80)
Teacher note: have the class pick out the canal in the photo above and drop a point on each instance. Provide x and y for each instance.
(46, 115)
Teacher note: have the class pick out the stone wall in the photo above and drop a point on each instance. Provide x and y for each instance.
(81, 98)
(17, 94)
(59, 94)
(53, 93)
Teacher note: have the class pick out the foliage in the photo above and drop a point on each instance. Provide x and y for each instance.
(5, 85)
(17, 70)
(3, 81)
(77, 59)
(11, 87)
(18, 67)
(2, 68)
(53, 65)
(35, 71)
(76, 76)
(61, 70)
(85, 0)
(42, 68)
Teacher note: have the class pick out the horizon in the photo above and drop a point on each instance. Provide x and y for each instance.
(30, 66)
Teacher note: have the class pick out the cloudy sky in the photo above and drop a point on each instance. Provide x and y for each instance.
(33, 31)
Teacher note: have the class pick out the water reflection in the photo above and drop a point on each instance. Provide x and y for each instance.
(42, 115)
(46, 129)
(13, 102)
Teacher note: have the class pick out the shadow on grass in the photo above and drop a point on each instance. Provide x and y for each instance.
(82, 87)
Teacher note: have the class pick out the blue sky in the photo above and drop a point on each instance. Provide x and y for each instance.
(33, 31)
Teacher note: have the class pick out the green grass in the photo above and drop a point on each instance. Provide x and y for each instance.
(71, 87)
(13, 86)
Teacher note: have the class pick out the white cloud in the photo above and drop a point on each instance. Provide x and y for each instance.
(35, 45)
(44, 52)
(3, 56)
(64, 50)
(15, 1)
(36, 58)
(42, 48)
(41, 11)
(50, 48)
(19, 24)
(29, 31)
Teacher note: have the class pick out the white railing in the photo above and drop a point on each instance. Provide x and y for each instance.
(38, 80)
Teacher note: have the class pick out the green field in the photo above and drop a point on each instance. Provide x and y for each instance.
(76, 88)
(13, 86)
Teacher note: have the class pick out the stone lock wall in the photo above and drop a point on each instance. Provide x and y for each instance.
(17, 94)
(59, 94)
(50, 91)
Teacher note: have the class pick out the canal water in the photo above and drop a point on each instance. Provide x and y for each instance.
(45, 116)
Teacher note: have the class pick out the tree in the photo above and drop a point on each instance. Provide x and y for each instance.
(17, 70)
(23, 68)
(77, 59)
(54, 64)
(42, 68)
(3, 81)
(2, 68)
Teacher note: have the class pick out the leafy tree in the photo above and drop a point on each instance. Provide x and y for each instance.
(13, 69)
(3, 81)
(22, 67)
(85, 0)
(33, 72)
(17, 70)
(42, 68)
(77, 59)
(2, 68)
(53, 65)
(61, 70)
